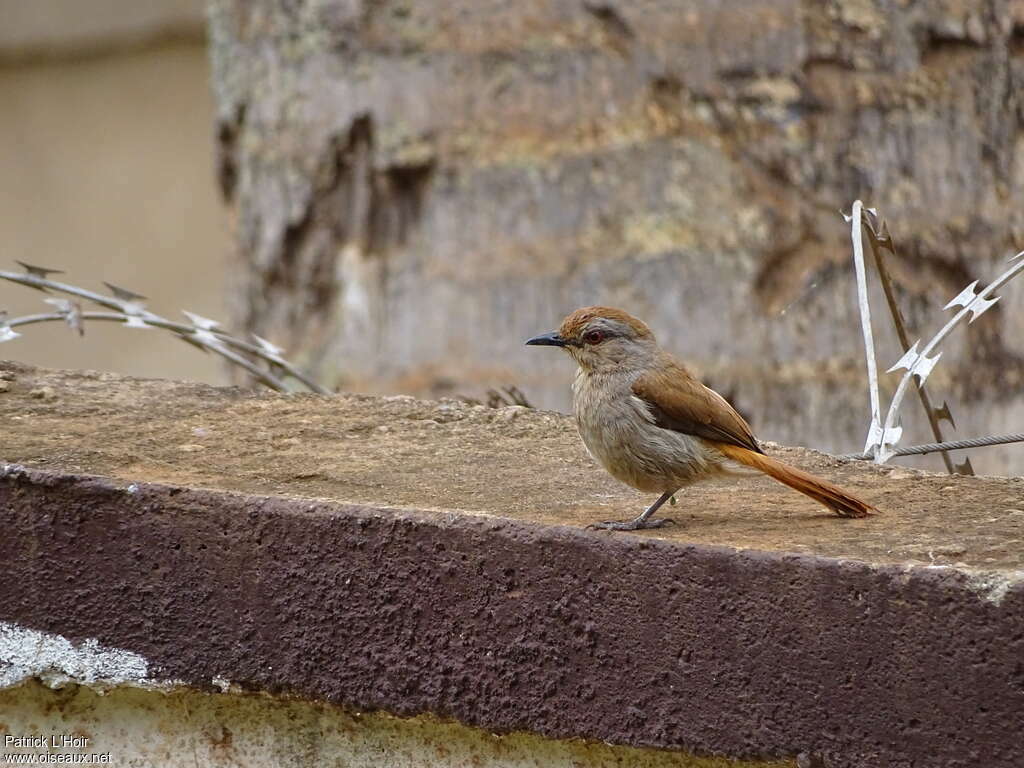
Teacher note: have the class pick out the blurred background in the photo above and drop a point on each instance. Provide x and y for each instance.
(107, 172)
(401, 191)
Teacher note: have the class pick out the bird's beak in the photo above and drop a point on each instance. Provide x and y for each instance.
(547, 340)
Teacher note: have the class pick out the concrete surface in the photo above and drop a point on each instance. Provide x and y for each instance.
(509, 463)
(183, 728)
(418, 557)
(27, 654)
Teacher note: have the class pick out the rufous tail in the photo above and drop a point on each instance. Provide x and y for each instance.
(832, 496)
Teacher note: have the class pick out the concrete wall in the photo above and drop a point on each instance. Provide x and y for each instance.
(336, 549)
(183, 728)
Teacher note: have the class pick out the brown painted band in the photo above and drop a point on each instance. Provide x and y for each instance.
(512, 626)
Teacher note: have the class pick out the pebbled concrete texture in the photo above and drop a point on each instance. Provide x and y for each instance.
(502, 618)
(510, 627)
(512, 463)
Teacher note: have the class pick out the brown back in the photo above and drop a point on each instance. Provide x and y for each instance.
(679, 402)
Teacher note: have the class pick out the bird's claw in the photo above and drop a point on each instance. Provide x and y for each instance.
(631, 525)
(857, 515)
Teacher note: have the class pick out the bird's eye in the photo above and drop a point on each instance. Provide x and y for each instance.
(593, 337)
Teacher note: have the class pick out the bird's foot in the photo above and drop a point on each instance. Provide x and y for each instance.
(637, 524)
(856, 514)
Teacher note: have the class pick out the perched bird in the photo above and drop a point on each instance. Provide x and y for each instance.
(653, 426)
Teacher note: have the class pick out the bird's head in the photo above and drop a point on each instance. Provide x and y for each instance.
(602, 339)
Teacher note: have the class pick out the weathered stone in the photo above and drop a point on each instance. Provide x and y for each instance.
(419, 188)
(443, 567)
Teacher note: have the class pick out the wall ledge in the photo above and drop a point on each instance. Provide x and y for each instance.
(497, 620)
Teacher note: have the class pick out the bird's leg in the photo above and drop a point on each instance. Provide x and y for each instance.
(641, 522)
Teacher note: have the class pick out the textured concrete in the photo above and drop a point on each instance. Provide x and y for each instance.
(414, 557)
(185, 728)
(511, 463)
(512, 627)
(496, 617)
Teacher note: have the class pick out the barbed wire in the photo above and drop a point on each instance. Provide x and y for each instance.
(952, 445)
(207, 335)
(884, 435)
(130, 310)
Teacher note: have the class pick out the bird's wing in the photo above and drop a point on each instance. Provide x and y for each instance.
(679, 402)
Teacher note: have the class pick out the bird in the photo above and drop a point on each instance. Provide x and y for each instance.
(654, 426)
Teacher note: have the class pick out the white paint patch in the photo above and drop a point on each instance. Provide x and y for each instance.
(993, 587)
(28, 653)
(225, 685)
